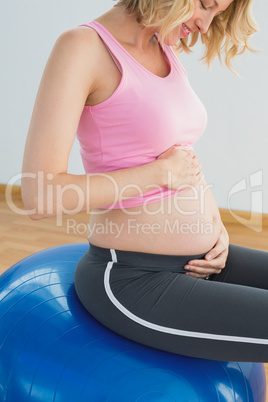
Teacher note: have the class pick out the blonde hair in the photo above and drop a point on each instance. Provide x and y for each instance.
(229, 33)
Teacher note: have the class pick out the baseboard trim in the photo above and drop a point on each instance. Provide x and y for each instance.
(247, 218)
(14, 190)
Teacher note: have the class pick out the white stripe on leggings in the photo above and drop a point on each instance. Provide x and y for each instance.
(168, 330)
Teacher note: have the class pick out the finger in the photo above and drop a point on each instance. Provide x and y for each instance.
(218, 263)
(196, 275)
(204, 271)
(216, 253)
(196, 168)
(218, 249)
(196, 160)
(199, 174)
(205, 264)
(200, 266)
(196, 179)
(181, 147)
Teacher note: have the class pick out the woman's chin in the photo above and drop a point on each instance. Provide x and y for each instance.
(172, 40)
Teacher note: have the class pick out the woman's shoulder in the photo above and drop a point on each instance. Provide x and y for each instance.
(79, 37)
(80, 47)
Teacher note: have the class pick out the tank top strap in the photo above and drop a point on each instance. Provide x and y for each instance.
(116, 50)
(174, 60)
(123, 59)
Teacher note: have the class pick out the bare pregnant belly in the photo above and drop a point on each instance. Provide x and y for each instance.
(188, 223)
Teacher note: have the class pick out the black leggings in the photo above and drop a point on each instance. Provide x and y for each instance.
(148, 299)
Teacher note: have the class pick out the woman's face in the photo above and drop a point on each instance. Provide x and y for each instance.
(204, 12)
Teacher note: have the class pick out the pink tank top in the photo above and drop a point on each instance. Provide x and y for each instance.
(145, 116)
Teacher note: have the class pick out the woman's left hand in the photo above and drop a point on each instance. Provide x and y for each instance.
(213, 262)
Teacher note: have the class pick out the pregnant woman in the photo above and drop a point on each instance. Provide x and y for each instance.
(159, 269)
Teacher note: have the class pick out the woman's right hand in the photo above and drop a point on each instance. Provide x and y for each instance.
(182, 167)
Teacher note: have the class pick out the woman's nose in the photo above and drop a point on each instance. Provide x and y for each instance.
(203, 24)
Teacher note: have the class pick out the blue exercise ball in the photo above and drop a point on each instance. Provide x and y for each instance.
(52, 350)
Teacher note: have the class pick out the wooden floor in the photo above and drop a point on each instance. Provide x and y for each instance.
(20, 236)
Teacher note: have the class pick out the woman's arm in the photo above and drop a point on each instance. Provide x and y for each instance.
(64, 87)
(71, 73)
(47, 189)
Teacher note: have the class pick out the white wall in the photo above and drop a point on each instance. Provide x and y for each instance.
(235, 144)
(236, 141)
